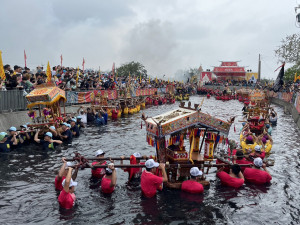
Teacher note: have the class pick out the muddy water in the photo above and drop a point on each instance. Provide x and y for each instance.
(27, 192)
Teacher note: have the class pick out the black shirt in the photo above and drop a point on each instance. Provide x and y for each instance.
(4, 147)
(75, 129)
(47, 145)
(90, 117)
(69, 134)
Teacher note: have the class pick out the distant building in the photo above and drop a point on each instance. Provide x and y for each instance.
(229, 71)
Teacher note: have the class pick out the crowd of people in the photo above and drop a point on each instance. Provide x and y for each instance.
(72, 79)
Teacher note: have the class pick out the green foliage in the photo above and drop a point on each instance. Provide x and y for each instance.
(289, 74)
(134, 68)
(289, 50)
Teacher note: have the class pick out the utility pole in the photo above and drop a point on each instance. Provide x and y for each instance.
(259, 68)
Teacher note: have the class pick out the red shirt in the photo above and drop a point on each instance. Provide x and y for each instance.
(257, 176)
(105, 186)
(192, 186)
(150, 183)
(227, 180)
(98, 172)
(66, 200)
(58, 184)
(243, 161)
(114, 114)
(135, 172)
(262, 155)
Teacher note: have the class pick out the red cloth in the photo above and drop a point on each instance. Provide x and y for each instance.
(192, 186)
(227, 180)
(150, 183)
(58, 184)
(105, 186)
(257, 176)
(66, 200)
(98, 172)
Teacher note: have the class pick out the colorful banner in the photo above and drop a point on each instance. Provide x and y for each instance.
(89, 96)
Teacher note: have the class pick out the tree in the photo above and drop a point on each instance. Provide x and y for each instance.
(289, 74)
(289, 50)
(135, 69)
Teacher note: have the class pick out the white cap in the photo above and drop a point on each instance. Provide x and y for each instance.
(69, 164)
(72, 183)
(74, 120)
(257, 148)
(68, 125)
(150, 163)
(49, 134)
(99, 152)
(258, 162)
(52, 127)
(137, 154)
(108, 169)
(195, 172)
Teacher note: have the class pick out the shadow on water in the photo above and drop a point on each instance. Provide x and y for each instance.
(27, 192)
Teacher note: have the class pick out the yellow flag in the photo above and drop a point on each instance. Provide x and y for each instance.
(140, 78)
(48, 72)
(77, 75)
(168, 81)
(295, 78)
(2, 73)
(156, 79)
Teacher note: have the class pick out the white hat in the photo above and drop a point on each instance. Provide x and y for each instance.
(108, 169)
(150, 163)
(72, 183)
(52, 127)
(49, 134)
(137, 154)
(69, 164)
(195, 172)
(257, 148)
(68, 125)
(258, 162)
(99, 152)
(74, 120)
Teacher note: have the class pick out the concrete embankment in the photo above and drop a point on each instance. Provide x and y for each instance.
(288, 107)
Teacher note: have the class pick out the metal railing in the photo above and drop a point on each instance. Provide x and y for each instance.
(12, 100)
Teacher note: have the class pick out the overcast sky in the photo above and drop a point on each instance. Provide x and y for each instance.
(165, 36)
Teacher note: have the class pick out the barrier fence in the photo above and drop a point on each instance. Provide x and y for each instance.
(12, 100)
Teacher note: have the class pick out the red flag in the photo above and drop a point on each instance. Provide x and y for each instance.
(113, 70)
(83, 62)
(61, 59)
(25, 58)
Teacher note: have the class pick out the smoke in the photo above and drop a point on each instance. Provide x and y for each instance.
(153, 44)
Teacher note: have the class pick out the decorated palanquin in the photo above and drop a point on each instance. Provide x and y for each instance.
(48, 98)
(168, 132)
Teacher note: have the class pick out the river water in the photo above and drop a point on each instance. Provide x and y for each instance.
(27, 192)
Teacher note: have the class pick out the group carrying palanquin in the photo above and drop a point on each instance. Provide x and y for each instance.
(181, 167)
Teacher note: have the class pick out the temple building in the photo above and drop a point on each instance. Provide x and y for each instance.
(229, 71)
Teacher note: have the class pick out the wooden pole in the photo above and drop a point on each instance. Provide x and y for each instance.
(202, 140)
(172, 165)
(107, 158)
